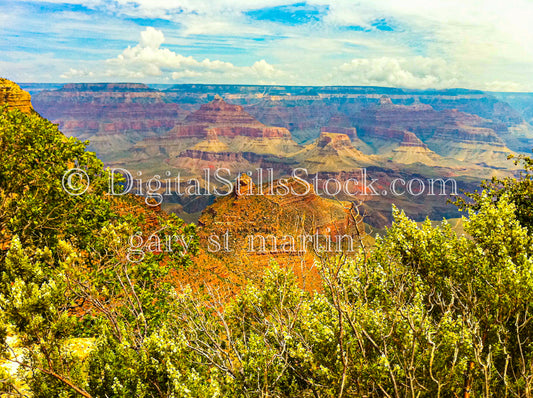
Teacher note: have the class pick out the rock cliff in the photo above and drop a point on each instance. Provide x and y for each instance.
(413, 150)
(332, 152)
(217, 128)
(449, 133)
(432, 133)
(220, 119)
(112, 116)
(12, 95)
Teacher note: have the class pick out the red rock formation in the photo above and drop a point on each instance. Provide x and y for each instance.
(335, 140)
(388, 121)
(194, 162)
(449, 133)
(341, 124)
(244, 219)
(81, 128)
(244, 185)
(204, 131)
(12, 95)
(229, 156)
(303, 118)
(213, 156)
(220, 119)
(219, 112)
(350, 132)
(411, 140)
(277, 208)
(217, 135)
(413, 150)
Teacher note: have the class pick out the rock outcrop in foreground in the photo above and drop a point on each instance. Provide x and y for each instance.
(12, 95)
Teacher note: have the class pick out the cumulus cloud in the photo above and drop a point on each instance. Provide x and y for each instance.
(487, 40)
(502, 86)
(73, 73)
(414, 72)
(149, 59)
(484, 44)
(151, 38)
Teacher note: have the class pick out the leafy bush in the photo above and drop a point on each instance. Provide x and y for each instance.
(406, 318)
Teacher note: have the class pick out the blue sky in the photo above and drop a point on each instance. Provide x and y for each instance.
(409, 43)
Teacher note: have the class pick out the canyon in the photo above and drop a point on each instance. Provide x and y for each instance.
(111, 116)
(462, 134)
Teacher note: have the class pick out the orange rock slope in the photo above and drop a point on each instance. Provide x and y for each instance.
(241, 234)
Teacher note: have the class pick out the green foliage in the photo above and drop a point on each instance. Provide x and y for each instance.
(483, 282)
(35, 157)
(64, 270)
(404, 319)
(519, 191)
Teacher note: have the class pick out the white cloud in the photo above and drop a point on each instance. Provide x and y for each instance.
(149, 59)
(488, 40)
(208, 7)
(76, 73)
(152, 38)
(221, 25)
(502, 86)
(414, 72)
(473, 43)
(263, 68)
(185, 74)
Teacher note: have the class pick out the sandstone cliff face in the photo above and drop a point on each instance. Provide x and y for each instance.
(261, 160)
(304, 110)
(411, 140)
(303, 118)
(332, 152)
(203, 131)
(350, 132)
(286, 223)
(134, 112)
(444, 133)
(413, 150)
(389, 121)
(220, 112)
(12, 95)
(278, 208)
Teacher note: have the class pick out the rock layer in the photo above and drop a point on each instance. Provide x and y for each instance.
(217, 128)
(220, 119)
(449, 133)
(12, 95)
(332, 152)
(112, 116)
(413, 150)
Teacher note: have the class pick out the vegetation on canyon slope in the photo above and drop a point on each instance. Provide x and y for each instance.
(405, 318)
